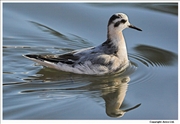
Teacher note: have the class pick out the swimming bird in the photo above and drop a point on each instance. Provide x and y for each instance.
(107, 58)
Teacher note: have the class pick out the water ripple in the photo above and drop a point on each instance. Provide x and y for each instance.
(148, 59)
(155, 56)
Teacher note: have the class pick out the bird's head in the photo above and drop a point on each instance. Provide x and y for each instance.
(119, 22)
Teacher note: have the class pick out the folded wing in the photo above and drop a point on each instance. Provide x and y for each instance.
(68, 58)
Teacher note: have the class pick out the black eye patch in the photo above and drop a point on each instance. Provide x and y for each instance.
(119, 22)
(123, 21)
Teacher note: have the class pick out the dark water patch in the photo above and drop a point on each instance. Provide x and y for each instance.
(49, 30)
(162, 7)
(156, 56)
(70, 39)
(14, 83)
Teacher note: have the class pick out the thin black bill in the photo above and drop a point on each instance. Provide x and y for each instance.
(132, 108)
(134, 27)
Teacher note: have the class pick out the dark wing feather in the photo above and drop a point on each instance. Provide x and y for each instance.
(67, 58)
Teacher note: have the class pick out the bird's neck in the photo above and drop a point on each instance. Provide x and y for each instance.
(116, 39)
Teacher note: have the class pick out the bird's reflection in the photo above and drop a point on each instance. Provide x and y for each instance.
(112, 88)
(114, 98)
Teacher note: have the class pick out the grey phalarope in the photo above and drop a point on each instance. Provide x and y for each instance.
(107, 58)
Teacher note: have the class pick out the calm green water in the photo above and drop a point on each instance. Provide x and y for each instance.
(31, 91)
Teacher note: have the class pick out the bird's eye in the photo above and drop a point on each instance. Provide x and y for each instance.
(123, 21)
